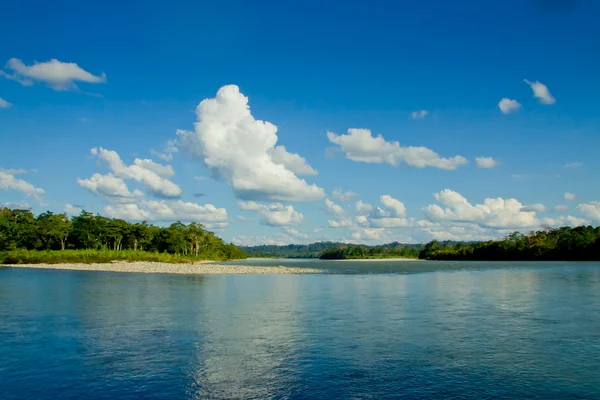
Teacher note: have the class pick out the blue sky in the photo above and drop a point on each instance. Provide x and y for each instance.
(430, 75)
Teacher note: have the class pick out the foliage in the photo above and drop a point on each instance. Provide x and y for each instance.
(577, 244)
(392, 250)
(50, 236)
(327, 250)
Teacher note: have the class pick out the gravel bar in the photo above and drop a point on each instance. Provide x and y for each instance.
(200, 268)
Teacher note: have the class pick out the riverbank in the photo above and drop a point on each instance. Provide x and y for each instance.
(376, 259)
(197, 268)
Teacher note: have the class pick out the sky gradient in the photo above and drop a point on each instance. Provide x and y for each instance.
(297, 122)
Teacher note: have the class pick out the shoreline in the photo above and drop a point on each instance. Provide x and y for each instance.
(198, 268)
(376, 259)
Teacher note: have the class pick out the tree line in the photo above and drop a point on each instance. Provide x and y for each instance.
(349, 252)
(334, 250)
(574, 244)
(21, 229)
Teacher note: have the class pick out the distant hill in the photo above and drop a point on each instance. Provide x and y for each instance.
(315, 250)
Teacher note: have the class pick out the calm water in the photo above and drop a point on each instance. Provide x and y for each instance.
(457, 331)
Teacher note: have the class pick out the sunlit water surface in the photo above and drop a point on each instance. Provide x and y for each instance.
(363, 331)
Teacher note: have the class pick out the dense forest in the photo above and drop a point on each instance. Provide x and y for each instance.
(576, 244)
(391, 250)
(334, 250)
(21, 229)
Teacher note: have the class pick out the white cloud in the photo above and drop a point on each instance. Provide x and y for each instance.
(334, 209)
(169, 211)
(275, 214)
(200, 178)
(569, 196)
(106, 185)
(291, 161)
(16, 205)
(239, 151)
(340, 195)
(485, 162)
(563, 221)
(576, 164)
(72, 210)
(144, 171)
(167, 152)
(419, 114)
(360, 145)
(164, 171)
(363, 208)
(279, 240)
(541, 92)
(537, 207)
(590, 210)
(295, 233)
(561, 208)
(396, 207)
(58, 75)
(8, 181)
(493, 213)
(459, 231)
(507, 105)
(4, 103)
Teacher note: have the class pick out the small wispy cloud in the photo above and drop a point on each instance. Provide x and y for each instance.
(508, 106)
(576, 164)
(56, 74)
(4, 103)
(569, 196)
(486, 162)
(419, 114)
(541, 92)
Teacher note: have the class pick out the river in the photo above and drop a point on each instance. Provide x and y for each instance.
(364, 330)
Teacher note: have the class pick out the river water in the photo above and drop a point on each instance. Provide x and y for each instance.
(406, 330)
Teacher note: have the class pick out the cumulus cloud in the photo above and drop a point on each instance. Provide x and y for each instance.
(561, 208)
(278, 240)
(334, 209)
(590, 210)
(419, 114)
(4, 103)
(9, 181)
(71, 209)
(275, 214)
(508, 106)
(541, 92)
(575, 164)
(164, 171)
(169, 211)
(16, 205)
(152, 175)
(493, 213)
(56, 74)
(537, 207)
(240, 151)
(363, 208)
(569, 196)
(360, 145)
(340, 195)
(568, 220)
(485, 162)
(106, 185)
(295, 233)
(291, 161)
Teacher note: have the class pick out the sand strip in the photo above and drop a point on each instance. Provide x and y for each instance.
(166, 268)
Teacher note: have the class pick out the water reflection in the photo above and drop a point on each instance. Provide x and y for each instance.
(464, 333)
